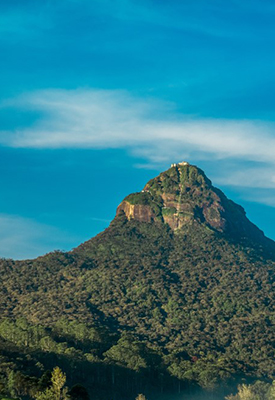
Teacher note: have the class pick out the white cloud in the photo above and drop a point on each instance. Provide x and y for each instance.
(261, 177)
(268, 200)
(150, 129)
(22, 238)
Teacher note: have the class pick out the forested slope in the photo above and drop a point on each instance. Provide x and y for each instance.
(179, 288)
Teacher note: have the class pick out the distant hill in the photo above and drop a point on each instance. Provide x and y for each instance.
(177, 291)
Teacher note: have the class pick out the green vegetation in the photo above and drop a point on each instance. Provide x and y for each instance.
(258, 391)
(50, 386)
(143, 198)
(143, 308)
(169, 211)
(57, 390)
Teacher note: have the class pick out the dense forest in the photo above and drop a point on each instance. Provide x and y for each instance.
(176, 294)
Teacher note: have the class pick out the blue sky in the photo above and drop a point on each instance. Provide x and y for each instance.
(97, 97)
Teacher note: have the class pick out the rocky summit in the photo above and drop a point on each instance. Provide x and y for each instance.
(183, 195)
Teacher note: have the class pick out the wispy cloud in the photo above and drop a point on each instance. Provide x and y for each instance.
(256, 177)
(150, 129)
(100, 219)
(267, 199)
(22, 238)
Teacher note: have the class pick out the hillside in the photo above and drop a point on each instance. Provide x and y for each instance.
(178, 290)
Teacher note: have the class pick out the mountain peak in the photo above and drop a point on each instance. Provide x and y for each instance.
(183, 195)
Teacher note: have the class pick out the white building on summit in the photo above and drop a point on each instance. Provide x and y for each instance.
(180, 163)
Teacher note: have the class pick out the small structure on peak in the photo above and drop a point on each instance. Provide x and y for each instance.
(183, 163)
(180, 163)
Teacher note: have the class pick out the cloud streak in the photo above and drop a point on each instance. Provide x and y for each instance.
(150, 129)
(22, 238)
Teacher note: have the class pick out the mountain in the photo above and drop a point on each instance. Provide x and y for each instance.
(177, 291)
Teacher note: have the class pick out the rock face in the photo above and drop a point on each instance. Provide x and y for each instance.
(183, 195)
(140, 212)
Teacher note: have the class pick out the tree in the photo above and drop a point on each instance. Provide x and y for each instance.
(140, 397)
(271, 392)
(258, 391)
(127, 352)
(11, 383)
(57, 391)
